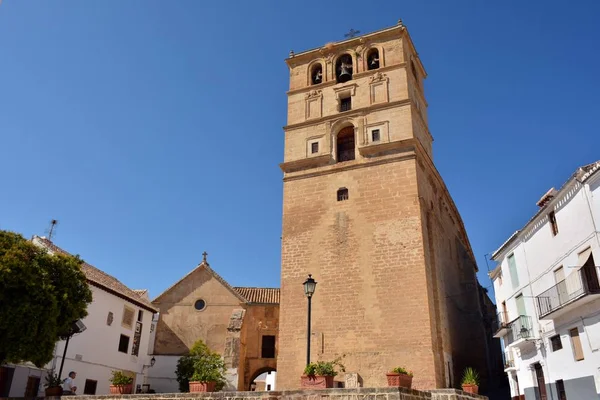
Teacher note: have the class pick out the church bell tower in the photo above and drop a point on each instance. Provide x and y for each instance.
(358, 154)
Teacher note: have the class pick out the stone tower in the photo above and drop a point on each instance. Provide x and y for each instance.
(367, 214)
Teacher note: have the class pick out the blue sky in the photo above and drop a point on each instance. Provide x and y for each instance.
(152, 130)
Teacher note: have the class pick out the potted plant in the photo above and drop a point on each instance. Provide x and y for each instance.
(207, 369)
(470, 381)
(400, 377)
(320, 374)
(53, 385)
(121, 383)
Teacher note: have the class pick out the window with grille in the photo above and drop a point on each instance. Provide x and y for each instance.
(346, 104)
(128, 315)
(375, 135)
(90, 386)
(268, 346)
(314, 147)
(556, 343)
(342, 194)
(123, 344)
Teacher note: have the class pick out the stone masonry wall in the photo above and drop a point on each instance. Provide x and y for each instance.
(328, 394)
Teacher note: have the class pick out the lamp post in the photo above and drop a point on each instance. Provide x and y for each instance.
(309, 289)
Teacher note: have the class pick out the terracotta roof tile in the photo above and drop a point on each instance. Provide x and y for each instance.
(259, 295)
(101, 279)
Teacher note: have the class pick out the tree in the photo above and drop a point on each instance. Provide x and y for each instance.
(41, 295)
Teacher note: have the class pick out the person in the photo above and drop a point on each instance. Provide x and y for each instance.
(69, 384)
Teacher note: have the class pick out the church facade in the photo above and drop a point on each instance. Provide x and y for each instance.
(366, 212)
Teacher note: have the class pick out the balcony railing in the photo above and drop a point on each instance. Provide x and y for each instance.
(520, 328)
(508, 361)
(578, 284)
(500, 324)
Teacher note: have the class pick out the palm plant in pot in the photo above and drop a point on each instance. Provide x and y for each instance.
(400, 377)
(53, 385)
(320, 374)
(208, 369)
(470, 381)
(121, 383)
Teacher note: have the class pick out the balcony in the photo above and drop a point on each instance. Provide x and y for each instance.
(579, 288)
(501, 325)
(519, 331)
(509, 362)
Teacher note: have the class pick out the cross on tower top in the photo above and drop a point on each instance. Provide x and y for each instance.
(204, 256)
(352, 33)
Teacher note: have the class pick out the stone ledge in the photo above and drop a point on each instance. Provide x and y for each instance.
(384, 393)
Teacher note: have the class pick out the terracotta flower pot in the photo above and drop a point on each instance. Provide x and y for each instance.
(399, 380)
(316, 382)
(121, 389)
(470, 388)
(53, 391)
(197, 387)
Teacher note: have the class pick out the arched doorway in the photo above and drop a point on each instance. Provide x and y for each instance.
(263, 379)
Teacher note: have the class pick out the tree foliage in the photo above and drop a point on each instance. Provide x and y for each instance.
(41, 295)
(202, 365)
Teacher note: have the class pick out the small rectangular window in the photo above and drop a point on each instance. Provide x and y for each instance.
(314, 147)
(90, 387)
(553, 223)
(268, 346)
(556, 343)
(124, 344)
(268, 387)
(140, 315)
(346, 104)
(375, 135)
(576, 342)
(342, 194)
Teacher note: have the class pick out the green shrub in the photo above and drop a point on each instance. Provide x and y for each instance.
(402, 371)
(324, 368)
(200, 365)
(119, 378)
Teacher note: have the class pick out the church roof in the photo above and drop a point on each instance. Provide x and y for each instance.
(101, 279)
(259, 295)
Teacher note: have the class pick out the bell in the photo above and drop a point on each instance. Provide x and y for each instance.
(345, 73)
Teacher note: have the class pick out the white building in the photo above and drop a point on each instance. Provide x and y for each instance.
(117, 337)
(548, 295)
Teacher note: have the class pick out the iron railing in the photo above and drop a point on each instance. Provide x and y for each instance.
(520, 328)
(501, 321)
(576, 285)
(509, 362)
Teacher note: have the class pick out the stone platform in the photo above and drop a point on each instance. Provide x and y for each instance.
(326, 394)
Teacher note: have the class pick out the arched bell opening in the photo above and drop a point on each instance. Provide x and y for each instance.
(373, 59)
(316, 74)
(345, 145)
(343, 68)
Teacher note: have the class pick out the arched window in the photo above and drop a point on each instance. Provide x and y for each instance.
(345, 144)
(343, 68)
(316, 74)
(373, 59)
(342, 194)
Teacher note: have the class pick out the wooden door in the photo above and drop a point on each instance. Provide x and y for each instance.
(541, 382)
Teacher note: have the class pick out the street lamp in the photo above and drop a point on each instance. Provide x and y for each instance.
(309, 289)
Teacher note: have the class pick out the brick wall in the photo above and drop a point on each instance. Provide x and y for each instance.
(328, 394)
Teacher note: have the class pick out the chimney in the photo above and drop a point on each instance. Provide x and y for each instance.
(549, 195)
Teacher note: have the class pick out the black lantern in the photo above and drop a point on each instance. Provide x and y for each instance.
(309, 286)
(309, 289)
(152, 362)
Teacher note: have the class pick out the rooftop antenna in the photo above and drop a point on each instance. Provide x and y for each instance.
(53, 224)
